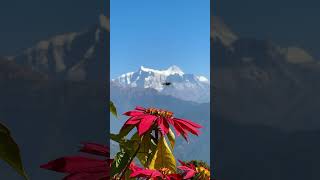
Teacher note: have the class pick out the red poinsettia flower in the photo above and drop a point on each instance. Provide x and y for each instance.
(190, 171)
(163, 173)
(84, 168)
(144, 119)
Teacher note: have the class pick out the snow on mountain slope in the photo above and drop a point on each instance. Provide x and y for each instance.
(183, 86)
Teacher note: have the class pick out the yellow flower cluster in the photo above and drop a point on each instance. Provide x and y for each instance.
(165, 171)
(159, 112)
(205, 173)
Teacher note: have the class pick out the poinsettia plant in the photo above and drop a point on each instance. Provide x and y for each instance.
(151, 144)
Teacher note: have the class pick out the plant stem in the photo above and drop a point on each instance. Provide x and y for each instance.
(131, 159)
(156, 134)
(153, 138)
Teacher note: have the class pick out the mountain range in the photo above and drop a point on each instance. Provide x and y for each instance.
(188, 87)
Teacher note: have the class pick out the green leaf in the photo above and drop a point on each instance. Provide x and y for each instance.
(128, 146)
(120, 161)
(113, 109)
(163, 157)
(172, 138)
(143, 152)
(146, 148)
(9, 151)
(116, 138)
(125, 131)
(119, 138)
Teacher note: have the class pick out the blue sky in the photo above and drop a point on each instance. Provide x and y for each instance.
(160, 33)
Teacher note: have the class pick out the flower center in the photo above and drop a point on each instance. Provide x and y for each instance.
(203, 170)
(159, 112)
(165, 171)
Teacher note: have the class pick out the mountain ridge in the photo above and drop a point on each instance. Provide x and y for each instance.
(183, 86)
(70, 56)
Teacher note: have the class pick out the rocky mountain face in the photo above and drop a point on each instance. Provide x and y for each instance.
(183, 86)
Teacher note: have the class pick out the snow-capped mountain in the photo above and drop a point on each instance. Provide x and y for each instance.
(183, 86)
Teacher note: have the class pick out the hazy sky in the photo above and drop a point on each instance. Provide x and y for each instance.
(160, 33)
(24, 23)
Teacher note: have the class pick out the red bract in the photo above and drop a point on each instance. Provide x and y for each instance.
(84, 168)
(190, 170)
(144, 119)
(153, 174)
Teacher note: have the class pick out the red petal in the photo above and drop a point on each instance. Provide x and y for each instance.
(182, 163)
(189, 174)
(133, 120)
(192, 166)
(134, 167)
(174, 177)
(187, 127)
(184, 168)
(146, 173)
(145, 124)
(76, 164)
(164, 126)
(139, 108)
(180, 130)
(96, 149)
(189, 122)
(133, 113)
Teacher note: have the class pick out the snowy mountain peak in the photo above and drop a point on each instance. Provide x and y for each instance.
(175, 70)
(183, 86)
(170, 71)
(202, 79)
